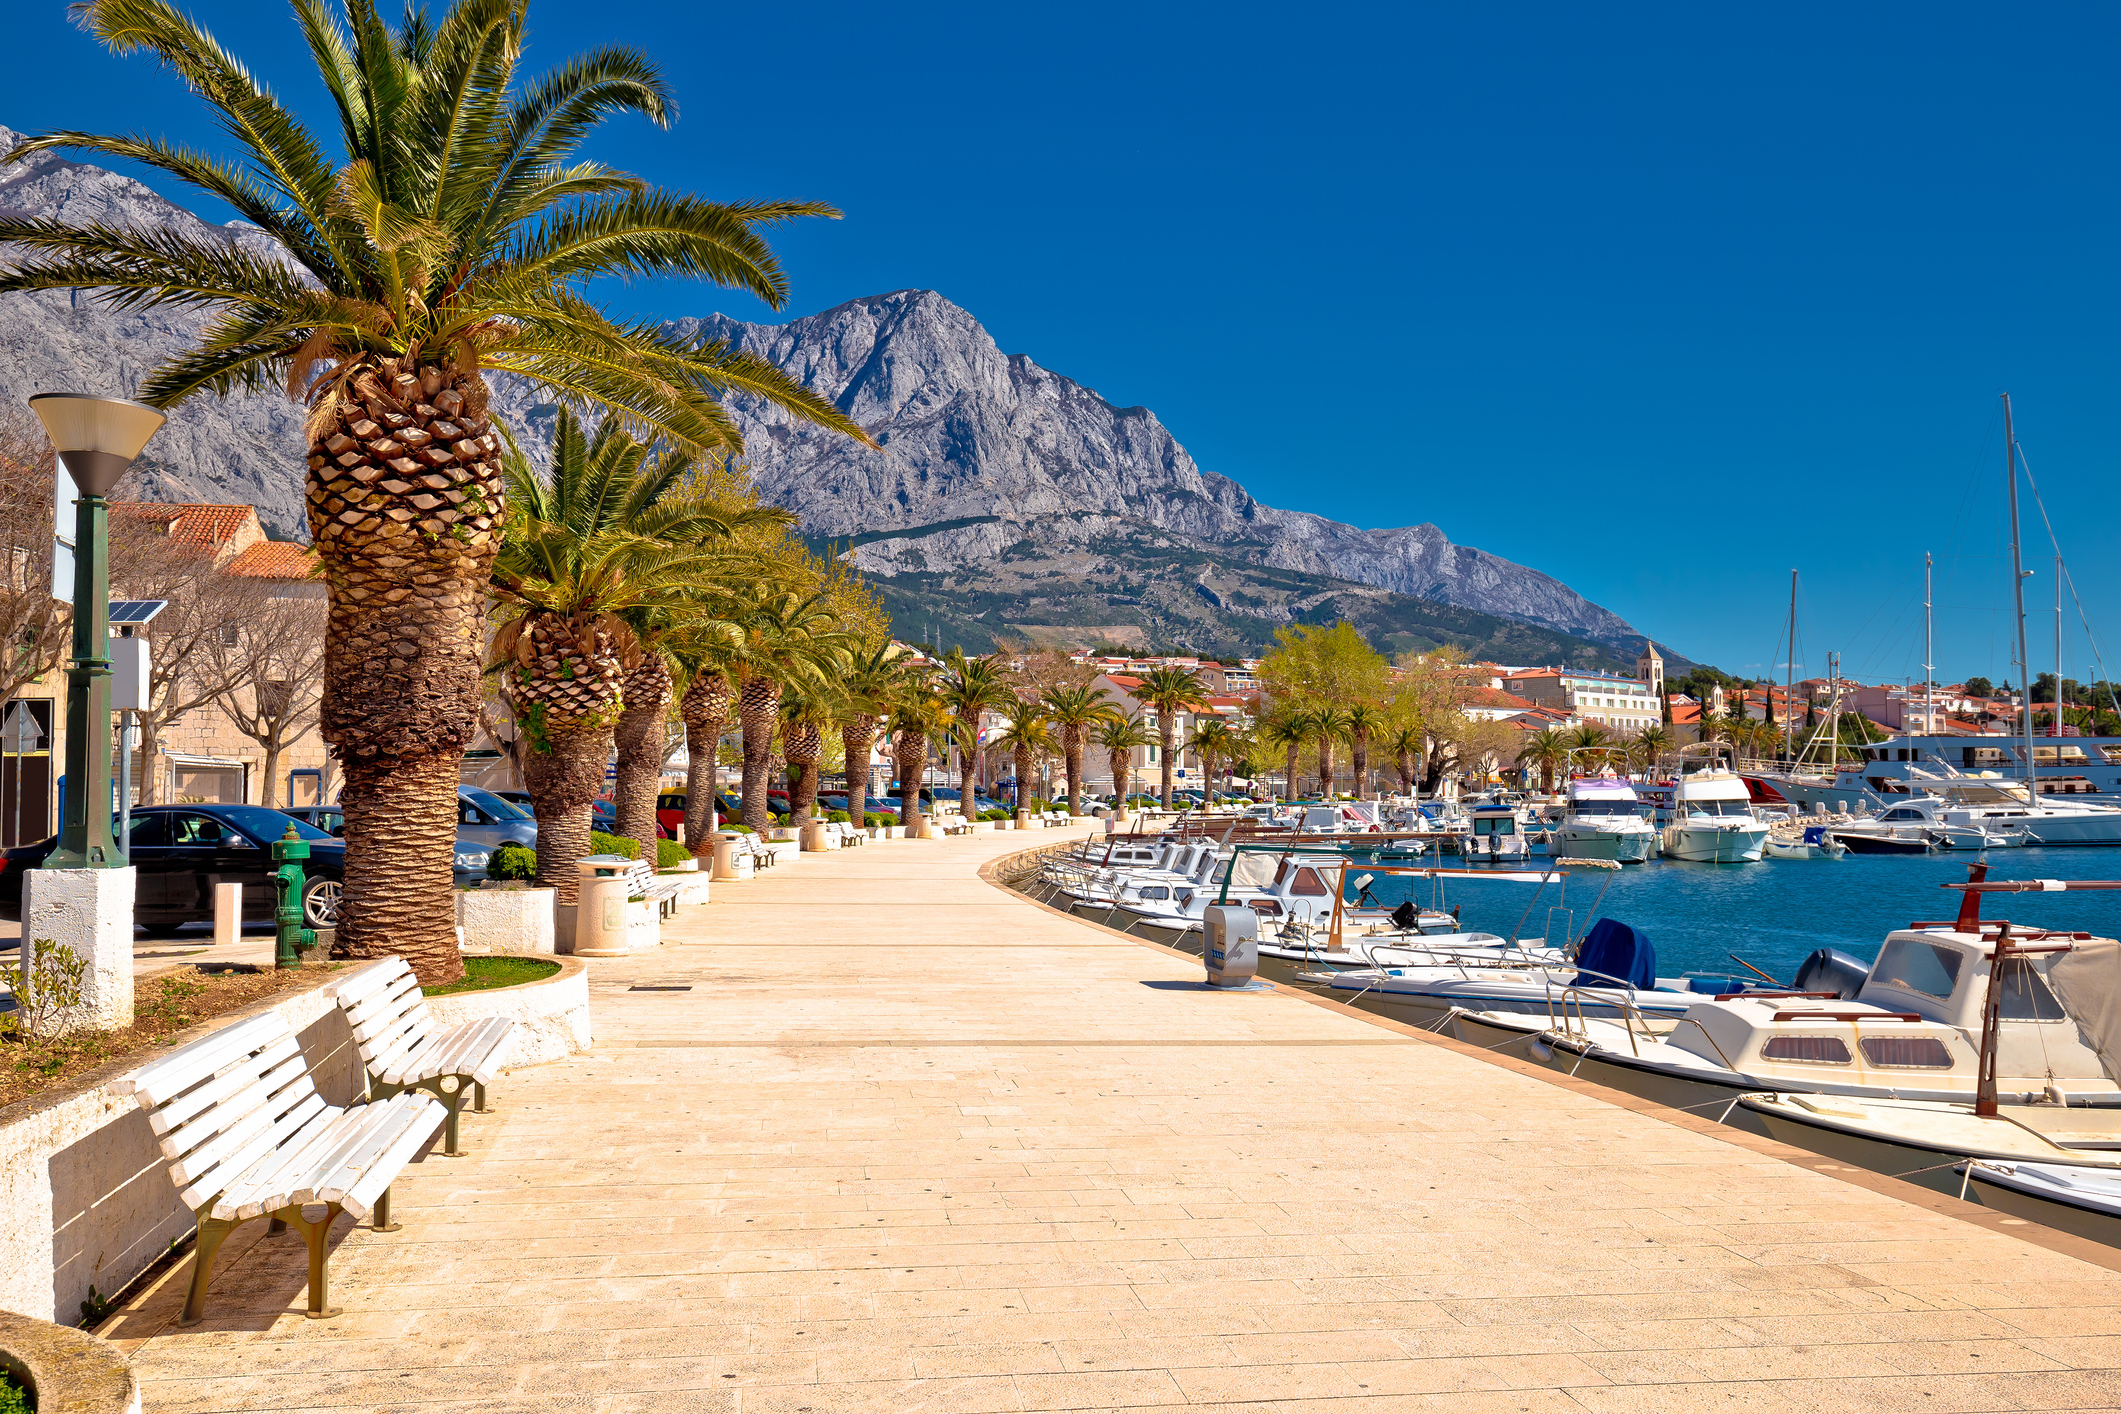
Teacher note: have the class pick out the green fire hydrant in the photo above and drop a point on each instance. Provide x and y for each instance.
(293, 938)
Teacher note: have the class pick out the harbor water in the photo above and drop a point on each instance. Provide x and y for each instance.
(1774, 913)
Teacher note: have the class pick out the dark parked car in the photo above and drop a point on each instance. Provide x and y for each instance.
(182, 851)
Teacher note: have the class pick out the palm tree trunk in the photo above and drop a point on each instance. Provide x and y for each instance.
(1167, 728)
(806, 749)
(1072, 758)
(758, 707)
(1361, 749)
(1288, 784)
(404, 493)
(1023, 778)
(1325, 768)
(857, 737)
(640, 737)
(1122, 779)
(968, 774)
(562, 782)
(705, 707)
(909, 754)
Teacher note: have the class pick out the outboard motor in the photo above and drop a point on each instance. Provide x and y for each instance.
(1829, 970)
(1406, 917)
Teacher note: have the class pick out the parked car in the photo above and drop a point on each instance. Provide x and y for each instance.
(487, 818)
(328, 818)
(183, 851)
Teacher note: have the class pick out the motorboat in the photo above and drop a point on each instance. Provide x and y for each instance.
(1906, 1027)
(1925, 822)
(2067, 1197)
(1925, 1142)
(1499, 830)
(1604, 820)
(1613, 974)
(1817, 842)
(1713, 820)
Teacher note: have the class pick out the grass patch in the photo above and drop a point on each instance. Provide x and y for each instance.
(483, 974)
(14, 1399)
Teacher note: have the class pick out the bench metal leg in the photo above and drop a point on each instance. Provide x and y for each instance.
(452, 1091)
(380, 1214)
(315, 1236)
(478, 1099)
(211, 1233)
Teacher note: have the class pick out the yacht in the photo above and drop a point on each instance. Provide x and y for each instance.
(1502, 830)
(1604, 820)
(1713, 820)
(1918, 824)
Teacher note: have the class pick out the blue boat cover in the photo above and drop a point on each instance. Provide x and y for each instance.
(1715, 986)
(1616, 949)
(1816, 834)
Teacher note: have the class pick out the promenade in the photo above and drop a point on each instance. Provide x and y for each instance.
(912, 1143)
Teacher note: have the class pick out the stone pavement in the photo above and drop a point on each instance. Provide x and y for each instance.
(910, 1143)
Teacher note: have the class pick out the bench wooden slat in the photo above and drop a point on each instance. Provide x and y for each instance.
(192, 1101)
(363, 980)
(360, 1197)
(339, 1171)
(254, 1192)
(158, 1081)
(253, 1102)
(393, 999)
(210, 1183)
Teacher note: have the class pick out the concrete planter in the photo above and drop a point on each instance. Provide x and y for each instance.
(644, 929)
(780, 833)
(688, 866)
(693, 889)
(507, 920)
(67, 1371)
(551, 1014)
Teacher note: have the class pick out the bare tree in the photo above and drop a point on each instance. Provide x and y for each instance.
(269, 673)
(205, 614)
(36, 625)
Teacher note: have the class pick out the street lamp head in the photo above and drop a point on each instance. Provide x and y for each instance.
(96, 439)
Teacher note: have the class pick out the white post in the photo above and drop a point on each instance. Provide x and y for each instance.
(90, 913)
(228, 915)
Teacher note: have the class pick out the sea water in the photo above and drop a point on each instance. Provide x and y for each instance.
(1774, 912)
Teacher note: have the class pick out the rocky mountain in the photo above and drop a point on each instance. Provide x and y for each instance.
(1003, 500)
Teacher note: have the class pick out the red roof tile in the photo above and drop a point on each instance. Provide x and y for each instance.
(276, 559)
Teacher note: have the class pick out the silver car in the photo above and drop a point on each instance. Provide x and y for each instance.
(487, 819)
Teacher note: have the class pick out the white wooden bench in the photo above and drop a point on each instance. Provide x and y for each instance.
(402, 1049)
(246, 1135)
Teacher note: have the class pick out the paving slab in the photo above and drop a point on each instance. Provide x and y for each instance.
(911, 1142)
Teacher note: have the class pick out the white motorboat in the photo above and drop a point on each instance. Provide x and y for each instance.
(2066, 1197)
(1604, 820)
(1815, 843)
(1713, 820)
(1926, 822)
(1499, 831)
(1925, 1142)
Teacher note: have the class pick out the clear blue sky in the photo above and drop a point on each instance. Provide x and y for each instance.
(1663, 300)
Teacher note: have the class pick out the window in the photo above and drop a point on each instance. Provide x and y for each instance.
(1906, 1052)
(2025, 994)
(205, 832)
(231, 634)
(1156, 891)
(1308, 883)
(1807, 1050)
(1903, 813)
(1918, 967)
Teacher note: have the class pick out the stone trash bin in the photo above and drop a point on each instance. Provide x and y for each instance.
(600, 906)
(728, 864)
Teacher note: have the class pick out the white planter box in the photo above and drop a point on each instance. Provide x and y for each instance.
(507, 920)
(644, 930)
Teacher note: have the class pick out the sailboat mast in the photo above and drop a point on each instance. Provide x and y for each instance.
(2055, 727)
(2025, 659)
(1789, 674)
(1929, 653)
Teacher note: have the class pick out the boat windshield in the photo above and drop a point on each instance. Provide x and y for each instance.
(1608, 807)
(1718, 807)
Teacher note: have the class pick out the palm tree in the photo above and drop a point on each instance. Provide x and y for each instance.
(1288, 729)
(1027, 738)
(1363, 720)
(1077, 712)
(918, 718)
(1329, 726)
(1168, 692)
(1120, 738)
(1547, 749)
(707, 705)
(457, 235)
(803, 744)
(875, 675)
(641, 736)
(1214, 741)
(787, 640)
(607, 531)
(971, 688)
(1650, 745)
(1408, 744)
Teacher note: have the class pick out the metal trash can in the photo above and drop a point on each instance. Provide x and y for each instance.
(600, 906)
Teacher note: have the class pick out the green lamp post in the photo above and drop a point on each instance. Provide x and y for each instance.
(95, 439)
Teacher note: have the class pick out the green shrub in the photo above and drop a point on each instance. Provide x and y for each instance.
(878, 817)
(14, 1399)
(601, 843)
(512, 861)
(994, 815)
(836, 817)
(669, 853)
(736, 828)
